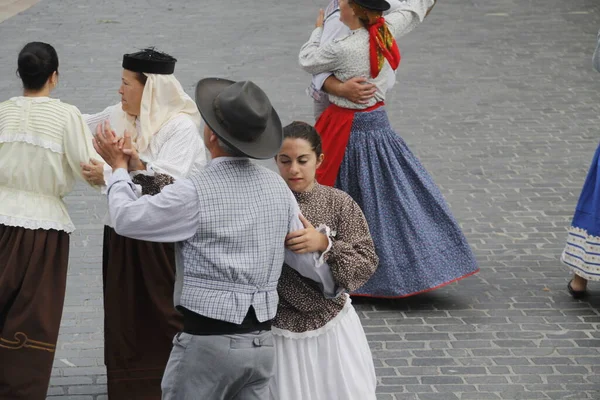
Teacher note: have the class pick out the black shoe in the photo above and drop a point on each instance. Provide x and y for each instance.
(576, 294)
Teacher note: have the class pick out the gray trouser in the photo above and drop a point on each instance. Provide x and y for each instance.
(220, 367)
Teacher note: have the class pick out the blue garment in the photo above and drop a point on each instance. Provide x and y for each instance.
(587, 212)
(419, 244)
(582, 251)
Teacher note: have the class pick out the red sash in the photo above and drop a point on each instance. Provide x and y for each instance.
(334, 126)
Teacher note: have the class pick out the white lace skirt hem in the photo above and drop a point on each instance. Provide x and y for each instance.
(333, 362)
(582, 254)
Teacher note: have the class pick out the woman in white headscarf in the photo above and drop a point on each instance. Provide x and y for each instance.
(139, 276)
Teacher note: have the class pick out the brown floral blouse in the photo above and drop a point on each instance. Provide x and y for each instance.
(352, 259)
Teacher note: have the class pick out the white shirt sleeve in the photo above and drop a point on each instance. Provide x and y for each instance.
(310, 265)
(170, 216)
(180, 151)
(78, 143)
(315, 58)
(394, 4)
(332, 29)
(407, 16)
(93, 120)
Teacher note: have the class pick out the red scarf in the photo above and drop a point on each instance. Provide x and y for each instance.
(382, 46)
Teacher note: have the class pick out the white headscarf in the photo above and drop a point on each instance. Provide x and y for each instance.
(162, 100)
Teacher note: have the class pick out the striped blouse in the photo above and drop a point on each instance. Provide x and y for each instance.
(42, 143)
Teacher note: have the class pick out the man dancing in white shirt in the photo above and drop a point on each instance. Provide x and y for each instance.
(230, 223)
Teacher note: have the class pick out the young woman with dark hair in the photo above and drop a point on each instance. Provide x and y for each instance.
(319, 342)
(42, 143)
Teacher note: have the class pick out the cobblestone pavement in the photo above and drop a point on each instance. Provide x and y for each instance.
(497, 98)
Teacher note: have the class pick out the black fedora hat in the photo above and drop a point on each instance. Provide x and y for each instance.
(241, 115)
(376, 5)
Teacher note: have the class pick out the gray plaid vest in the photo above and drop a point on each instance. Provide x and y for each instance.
(234, 260)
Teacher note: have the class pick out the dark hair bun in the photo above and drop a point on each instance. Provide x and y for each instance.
(29, 64)
(36, 63)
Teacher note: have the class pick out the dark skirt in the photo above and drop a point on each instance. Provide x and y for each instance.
(419, 244)
(140, 317)
(33, 276)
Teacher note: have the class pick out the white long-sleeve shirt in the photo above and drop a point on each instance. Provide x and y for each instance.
(177, 149)
(42, 143)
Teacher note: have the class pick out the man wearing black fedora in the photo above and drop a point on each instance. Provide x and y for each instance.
(229, 221)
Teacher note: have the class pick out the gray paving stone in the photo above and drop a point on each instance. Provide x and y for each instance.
(567, 370)
(512, 361)
(498, 370)
(530, 395)
(497, 99)
(463, 371)
(438, 396)
(88, 389)
(406, 396)
(400, 381)
(390, 389)
(433, 361)
(69, 381)
(71, 397)
(552, 361)
(569, 395)
(55, 391)
(441, 380)
(419, 389)
(526, 379)
(476, 361)
(480, 396)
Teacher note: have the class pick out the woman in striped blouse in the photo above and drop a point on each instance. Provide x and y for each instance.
(42, 143)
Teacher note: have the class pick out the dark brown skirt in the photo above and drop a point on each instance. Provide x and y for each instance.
(33, 276)
(140, 317)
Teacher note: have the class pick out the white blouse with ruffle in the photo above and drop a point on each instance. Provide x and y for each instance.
(42, 143)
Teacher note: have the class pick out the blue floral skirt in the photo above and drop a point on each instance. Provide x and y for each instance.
(419, 244)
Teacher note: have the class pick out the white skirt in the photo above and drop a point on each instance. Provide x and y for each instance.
(333, 362)
(582, 254)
